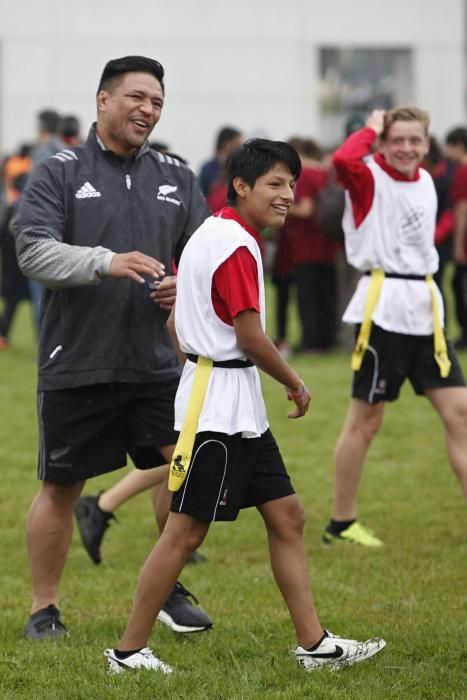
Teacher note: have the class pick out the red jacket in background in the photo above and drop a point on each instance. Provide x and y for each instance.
(308, 243)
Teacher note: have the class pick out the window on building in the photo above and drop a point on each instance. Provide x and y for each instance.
(353, 82)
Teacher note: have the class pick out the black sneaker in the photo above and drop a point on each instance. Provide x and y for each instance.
(181, 615)
(45, 624)
(92, 524)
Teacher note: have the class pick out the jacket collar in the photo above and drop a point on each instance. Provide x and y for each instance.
(96, 143)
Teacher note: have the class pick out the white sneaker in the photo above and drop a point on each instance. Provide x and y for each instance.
(336, 652)
(140, 659)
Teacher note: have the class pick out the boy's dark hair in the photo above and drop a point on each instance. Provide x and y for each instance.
(48, 121)
(256, 158)
(115, 69)
(457, 137)
(226, 134)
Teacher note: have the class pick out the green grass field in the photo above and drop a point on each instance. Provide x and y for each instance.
(413, 592)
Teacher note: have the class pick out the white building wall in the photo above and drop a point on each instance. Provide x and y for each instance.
(253, 63)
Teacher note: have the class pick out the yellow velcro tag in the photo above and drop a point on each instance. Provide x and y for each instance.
(377, 278)
(182, 454)
(441, 351)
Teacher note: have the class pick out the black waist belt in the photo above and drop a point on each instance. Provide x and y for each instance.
(399, 276)
(231, 364)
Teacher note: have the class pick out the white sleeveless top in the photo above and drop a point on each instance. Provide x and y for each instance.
(397, 235)
(234, 401)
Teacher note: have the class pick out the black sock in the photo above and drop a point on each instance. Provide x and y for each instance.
(125, 654)
(335, 527)
(315, 646)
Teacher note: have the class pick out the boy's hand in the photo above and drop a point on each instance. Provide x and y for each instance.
(376, 121)
(301, 397)
(165, 292)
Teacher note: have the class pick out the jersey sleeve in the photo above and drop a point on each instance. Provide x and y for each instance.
(235, 285)
(354, 174)
(39, 230)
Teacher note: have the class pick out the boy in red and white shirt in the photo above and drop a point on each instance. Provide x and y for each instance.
(389, 225)
(234, 461)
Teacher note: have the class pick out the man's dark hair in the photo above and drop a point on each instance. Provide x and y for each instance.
(457, 136)
(256, 158)
(226, 134)
(48, 120)
(115, 69)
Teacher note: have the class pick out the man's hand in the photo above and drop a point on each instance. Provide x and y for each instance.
(301, 397)
(376, 121)
(133, 265)
(165, 292)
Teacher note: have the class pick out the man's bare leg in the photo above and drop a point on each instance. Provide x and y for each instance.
(49, 531)
(181, 536)
(361, 424)
(284, 519)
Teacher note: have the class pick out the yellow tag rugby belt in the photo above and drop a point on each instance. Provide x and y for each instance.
(234, 364)
(183, 450)
(377, 279)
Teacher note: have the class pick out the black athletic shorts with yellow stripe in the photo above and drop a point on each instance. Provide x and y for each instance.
(228, 473)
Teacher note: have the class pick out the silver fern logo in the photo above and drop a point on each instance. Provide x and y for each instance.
(163, 194)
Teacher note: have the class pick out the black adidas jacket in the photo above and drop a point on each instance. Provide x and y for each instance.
(82, 205)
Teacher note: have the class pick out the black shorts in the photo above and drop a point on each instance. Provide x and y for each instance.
(391, 358)
(89, 430)
(228, 472)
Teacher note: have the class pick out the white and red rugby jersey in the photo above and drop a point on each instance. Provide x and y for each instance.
(234, 401)
(389, 223)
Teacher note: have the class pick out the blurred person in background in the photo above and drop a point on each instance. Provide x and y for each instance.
(18, 164)
(313, 254)
(213, 170)
(456, 150)
(282, 277)
(442, 171)
(70, 131)
(14, 285)
(48, 139)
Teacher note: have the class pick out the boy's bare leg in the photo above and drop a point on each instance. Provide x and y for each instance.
(451, 404)
(181, 536)
(161, 499)
(130, 485)
(361, 424)
(49, 531)
(285, 519)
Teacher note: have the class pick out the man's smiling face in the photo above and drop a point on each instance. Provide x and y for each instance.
(128, 112)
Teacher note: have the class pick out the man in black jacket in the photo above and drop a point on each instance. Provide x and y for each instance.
(100, 226)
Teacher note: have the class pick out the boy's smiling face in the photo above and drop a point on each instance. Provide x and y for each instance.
(268, 201)
(405, 146)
